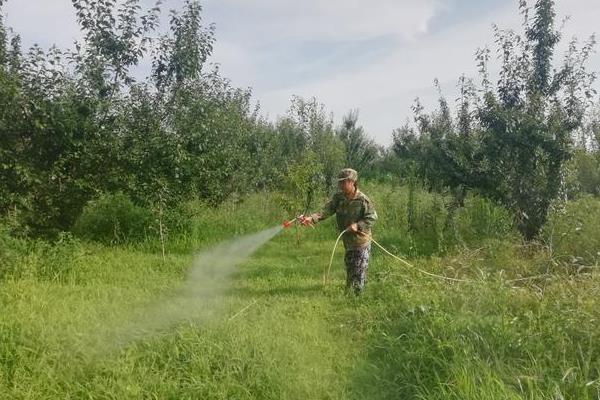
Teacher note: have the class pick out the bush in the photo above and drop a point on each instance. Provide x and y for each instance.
(113, 219)
(10, 249)
(35, 258)
(481, 219)
(418, 223)
(57, 260)
(573, 232)
(583, 174)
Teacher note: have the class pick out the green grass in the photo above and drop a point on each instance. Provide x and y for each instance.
(275, 333)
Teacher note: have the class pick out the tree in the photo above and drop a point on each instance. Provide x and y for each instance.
(511, 141)
(312, 130)
(75, 124)
(361, 151)
(527, 125)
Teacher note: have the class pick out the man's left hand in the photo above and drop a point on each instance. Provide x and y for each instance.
(353, 227)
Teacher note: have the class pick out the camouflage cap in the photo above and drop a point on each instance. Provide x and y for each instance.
(348, 173)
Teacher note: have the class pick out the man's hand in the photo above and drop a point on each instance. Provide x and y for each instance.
(306, 220)
(353, 227)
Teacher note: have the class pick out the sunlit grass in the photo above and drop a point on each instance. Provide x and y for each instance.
(275, 332)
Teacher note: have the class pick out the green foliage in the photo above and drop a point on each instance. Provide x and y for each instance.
(58, 260)
(481, 219)
(416, 222)
(361, 152)
(388, 167)
(583, 174)
(309, 128)
(509, 142)
(113, 219)
(301, 184)
(9, 253)
(76, 123)
(277, 333)
(573, 232)
(38, 259)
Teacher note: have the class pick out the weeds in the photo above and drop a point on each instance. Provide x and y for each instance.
(276, 333)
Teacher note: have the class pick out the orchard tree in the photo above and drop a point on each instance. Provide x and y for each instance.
(361, 151)
(511, 140)
(528, 122)
(312, 130)
(78, 123)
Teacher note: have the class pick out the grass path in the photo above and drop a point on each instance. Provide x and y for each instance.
(275, 333)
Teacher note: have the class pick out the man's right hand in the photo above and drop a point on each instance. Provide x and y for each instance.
(307, 220)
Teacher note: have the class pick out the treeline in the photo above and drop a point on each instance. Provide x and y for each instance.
(81, 123)
(77, 123)
(513, 140)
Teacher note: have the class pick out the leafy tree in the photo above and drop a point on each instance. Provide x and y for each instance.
(300, 180)
(527, 125)
(361, 151)
(75, 124)
(583, 170)
(586, 170)
(511, 141)
(116, 37)
(314, 131)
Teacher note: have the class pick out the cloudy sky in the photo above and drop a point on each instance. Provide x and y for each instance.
(376, 56)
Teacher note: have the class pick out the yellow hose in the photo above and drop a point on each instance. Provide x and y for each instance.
(420, 270)
(326, 275)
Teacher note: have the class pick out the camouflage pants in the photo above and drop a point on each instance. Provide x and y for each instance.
(357, 262)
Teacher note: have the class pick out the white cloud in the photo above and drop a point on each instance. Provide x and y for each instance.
(384, 89)
(375, 55)
(44, 22)
(331, 20)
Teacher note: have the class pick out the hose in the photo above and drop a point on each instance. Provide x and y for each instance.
(326, 275)
(420, 270)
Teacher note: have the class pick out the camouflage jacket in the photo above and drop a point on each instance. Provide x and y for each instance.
(359, 209)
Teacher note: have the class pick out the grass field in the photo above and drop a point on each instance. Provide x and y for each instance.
(81, 320)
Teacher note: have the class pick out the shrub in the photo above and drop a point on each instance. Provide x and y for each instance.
(573, 231)
(36, 258)
(583, 174)
(56, 260)
(10, 248)
(481, 219)
(113, 219)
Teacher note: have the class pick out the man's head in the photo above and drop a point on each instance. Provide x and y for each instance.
(348, 174)
(347, 181)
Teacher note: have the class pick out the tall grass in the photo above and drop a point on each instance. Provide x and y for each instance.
(416, 223)
(276, 332)
(573, 232)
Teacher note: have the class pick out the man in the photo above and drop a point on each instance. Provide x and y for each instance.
(356, 214)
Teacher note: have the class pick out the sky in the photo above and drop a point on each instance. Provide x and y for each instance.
(374, 56)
